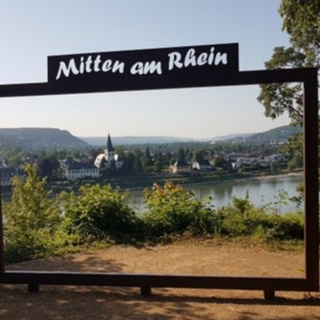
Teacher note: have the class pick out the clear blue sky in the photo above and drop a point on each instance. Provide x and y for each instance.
(34, 29)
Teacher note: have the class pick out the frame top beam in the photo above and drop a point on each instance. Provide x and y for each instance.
(164, 82)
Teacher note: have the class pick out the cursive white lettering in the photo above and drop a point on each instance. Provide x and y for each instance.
(137, 68)
(221, 58)
(106, 66)
(88, 64)
(97, 62)
(191, 58)
(118, 66)
(174, 60)
(63, 68)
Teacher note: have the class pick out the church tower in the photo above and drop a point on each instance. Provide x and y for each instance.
(108, 159)
(109, 152)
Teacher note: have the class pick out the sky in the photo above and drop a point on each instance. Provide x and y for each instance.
(32, 30)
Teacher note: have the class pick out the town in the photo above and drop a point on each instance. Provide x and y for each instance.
(142, 165)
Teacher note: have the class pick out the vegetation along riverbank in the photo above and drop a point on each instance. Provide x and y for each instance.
(38, 225)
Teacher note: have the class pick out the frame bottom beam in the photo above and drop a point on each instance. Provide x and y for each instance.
(267, 284)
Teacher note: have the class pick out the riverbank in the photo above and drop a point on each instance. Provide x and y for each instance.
(229, 180)
(276, 192)
(139, 182)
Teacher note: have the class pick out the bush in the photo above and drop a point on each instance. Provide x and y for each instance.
(97, 213)
(286, 227)
(173, 210)
(28, 245)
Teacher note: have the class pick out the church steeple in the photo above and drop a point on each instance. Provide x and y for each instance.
(108, 159)
(109, 152)
(109, 144)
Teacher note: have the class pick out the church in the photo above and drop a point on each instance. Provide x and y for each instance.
(108, 159)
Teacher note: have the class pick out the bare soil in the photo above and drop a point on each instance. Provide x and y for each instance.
(113, 303)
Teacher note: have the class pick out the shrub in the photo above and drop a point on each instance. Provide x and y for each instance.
(28, 245)
(173, 210)
(98, 212)
(286, 227)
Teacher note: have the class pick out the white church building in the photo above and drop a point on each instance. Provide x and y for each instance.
(108, 158)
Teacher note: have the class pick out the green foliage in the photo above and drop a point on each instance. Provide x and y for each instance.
(28, 245)
(220, 162)
(198, 155)
(181, 155)
(301, 21)
(294, 145)
(97, 213)
(173, 210)
(242, 206)
(35, 226)
(32, 217)
(295, 163)
(241, 218)
(286, 227)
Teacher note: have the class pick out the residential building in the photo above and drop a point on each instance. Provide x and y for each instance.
(180, 166)
(6, 176)
(77, 170)
(202, 165)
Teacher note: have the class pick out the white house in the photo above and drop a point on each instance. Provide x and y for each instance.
(202, 165)
(246, 161)
(180, 166)
(76, 170)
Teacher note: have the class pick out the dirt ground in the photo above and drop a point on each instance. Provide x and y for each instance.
(113, 303)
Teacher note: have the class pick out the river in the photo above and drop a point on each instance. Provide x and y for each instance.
(261, 192)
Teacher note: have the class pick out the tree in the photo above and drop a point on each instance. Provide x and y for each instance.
(45, 168)
(198, 155)
(301, 20)
(181, 155)
(128, 163)
(137, 164)
(158, 166)
(32, 218)
(220, 162)
(16, 159)
(137, 161)
(146, 161)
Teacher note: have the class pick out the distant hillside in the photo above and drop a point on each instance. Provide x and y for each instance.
(34, 139)
(274, 136)
(128, 140)
(231, 136)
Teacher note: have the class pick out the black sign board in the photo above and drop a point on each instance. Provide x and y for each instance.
(129, 69)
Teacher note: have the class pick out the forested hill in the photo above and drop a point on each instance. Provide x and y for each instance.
(129, 140)
(274, 136)
(34, 139)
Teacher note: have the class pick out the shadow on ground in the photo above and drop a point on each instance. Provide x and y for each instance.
(79, 303)
(114, 303)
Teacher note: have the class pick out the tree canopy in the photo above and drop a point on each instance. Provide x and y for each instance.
(301, 20)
